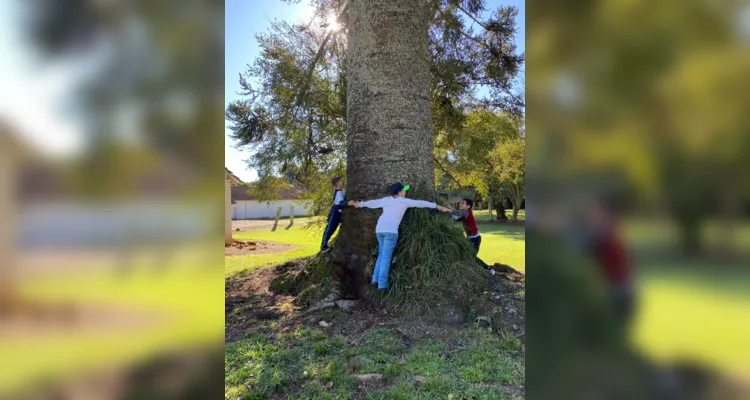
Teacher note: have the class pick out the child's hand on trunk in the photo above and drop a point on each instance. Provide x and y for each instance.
(354, 203)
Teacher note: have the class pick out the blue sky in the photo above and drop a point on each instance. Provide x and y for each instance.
(35, 92)
(244, 19)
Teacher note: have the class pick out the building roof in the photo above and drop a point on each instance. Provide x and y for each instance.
(242, 193)
(233, 179)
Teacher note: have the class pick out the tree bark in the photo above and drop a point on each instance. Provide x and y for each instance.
(516, 199)
(499, 207)
(389, 136)
(8, 229)
(489, 207)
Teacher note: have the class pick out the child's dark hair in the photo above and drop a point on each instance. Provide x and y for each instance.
(335, 180)
(469, 202)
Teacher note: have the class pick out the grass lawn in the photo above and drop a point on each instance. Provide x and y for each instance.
(500, 243)
(696, 310)
(504, 244)
(180, 306)
(309, 240)
(697, 315)
(310, 363)
(484, 215)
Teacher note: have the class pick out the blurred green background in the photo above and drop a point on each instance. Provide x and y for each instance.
(647, 102)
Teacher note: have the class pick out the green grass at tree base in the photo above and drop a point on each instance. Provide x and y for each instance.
(309, 363)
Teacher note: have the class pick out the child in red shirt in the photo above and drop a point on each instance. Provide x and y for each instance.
(610, 252)
(466, 216)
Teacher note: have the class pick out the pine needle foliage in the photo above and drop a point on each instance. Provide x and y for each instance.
(432, 260)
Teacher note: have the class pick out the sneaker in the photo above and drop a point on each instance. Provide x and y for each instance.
(492, 272)
(325, 249)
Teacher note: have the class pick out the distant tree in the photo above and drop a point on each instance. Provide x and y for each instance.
(470, 154)
(509, 163)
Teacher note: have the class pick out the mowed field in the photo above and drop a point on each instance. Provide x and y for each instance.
(113, 319)
(501, 243)
(692, 309)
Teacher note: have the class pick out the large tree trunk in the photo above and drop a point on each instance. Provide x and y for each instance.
(389, 136)
(8, 210)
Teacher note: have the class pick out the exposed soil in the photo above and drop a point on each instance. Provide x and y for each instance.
(250, 306)
(243, 247)
(251, 224)
(248, 303)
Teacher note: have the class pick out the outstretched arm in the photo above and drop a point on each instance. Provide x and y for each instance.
(460, 213)
(419, 203)
(370, 203)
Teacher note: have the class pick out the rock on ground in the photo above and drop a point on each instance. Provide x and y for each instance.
(346, 304)
(369, 378)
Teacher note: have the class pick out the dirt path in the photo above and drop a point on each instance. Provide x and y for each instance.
(41, 320)
(245, 247)
(251, 224)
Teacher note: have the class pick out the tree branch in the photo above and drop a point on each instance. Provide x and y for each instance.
(311, 68)
(460, 186)
(308, 75)
(472, 17)
(466, 35)
(490, 166)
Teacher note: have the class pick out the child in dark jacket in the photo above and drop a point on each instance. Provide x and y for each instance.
(334, 215)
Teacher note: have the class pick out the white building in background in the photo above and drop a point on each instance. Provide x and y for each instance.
(246, 206)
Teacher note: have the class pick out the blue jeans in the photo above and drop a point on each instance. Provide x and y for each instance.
(386, 245)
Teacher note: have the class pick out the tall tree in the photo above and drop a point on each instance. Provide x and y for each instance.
(293, 112)
(369, 94)
(389, 134)
(511, 171)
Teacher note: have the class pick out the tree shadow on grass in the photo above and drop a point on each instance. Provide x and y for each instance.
(509, 231)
